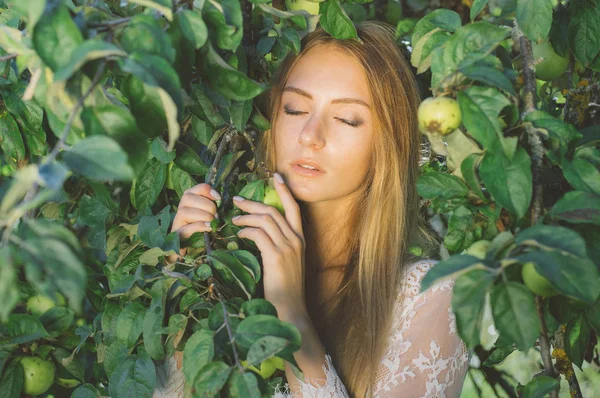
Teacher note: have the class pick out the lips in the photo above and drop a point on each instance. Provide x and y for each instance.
(307, 162)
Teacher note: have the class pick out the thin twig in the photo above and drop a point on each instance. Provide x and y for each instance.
(7, 57)
(111, 24)
(536, 153)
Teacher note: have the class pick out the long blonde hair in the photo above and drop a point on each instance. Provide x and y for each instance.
(384, 220)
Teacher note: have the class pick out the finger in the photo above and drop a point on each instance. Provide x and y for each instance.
(199, 202)
(292, 210)
(266, 223)
(258, 208)
(204, 190)
(260, 237)
(187, 215)
(187, 230)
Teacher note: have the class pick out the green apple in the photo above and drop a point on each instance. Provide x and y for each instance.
(439, 115)
(308, 6)
(552, 66)
(38, 373)
(536, 282)
(272, 198)
(38, 305)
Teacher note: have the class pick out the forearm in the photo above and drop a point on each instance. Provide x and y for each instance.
(311, 356)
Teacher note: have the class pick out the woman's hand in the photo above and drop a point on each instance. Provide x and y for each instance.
(281, 243)
(196, 209)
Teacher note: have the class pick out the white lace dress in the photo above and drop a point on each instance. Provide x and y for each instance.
(426, 357)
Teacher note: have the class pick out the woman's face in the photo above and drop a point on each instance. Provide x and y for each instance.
(325, 115)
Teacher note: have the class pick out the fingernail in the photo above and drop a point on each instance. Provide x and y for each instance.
(279, 178)
(235, 218)
(238, 198)
(207, 223)
(215, 194)
(217, 216)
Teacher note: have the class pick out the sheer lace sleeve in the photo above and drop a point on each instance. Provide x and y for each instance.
(426, 358)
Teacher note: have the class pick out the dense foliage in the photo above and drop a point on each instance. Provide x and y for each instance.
(110, 110)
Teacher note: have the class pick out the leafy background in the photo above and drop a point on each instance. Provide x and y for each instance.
(110, 110)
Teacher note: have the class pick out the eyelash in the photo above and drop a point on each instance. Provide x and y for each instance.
(296, 113)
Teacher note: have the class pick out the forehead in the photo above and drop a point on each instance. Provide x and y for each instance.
(330, 72)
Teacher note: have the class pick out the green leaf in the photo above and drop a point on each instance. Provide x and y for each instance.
(9, 292)
(515, 316)
(476, 8)
(51, 264)
(480, 107)
(11, 141)
(228, 81)
(119, 124)
(93, 213)
(134, 377)
(468, 299)
(224, 17)
(116, 353)
(243, 385)
(254, 327)
(189, 160)
(577, 337)
(435, 184)
(258, 306)
(462, 230)
(578, 208)
(226, 263)
(12, 381)
(198, 352)
(582, 175)
(23, 328)
(509, 181)
(154, 319)
(422, 52)
(540, 387)
(162, 6)
(552, 237)
(87, 51)
(86, 390)
(144, 34)
(490, 76)
(475, 40)
(181, 180)
(573, 276)
(450, 268)
(264, 348)
(159, 151)
(336, 22)
(426, 25)
(99, 158)
(56, 36)
(149, 184)
(130, 323)
(211, 379)
(227, 163)
(535, 18)
(208, 107)
(57, 319)
(193, 27)
(448, 20)
(153, 230)
(584, 31)
(29, 116)
(146, 106)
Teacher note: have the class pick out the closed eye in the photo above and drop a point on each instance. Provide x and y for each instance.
(297, 113)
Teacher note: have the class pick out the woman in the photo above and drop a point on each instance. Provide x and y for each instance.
(337, 265)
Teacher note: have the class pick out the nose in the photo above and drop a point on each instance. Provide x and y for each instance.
(311, 134)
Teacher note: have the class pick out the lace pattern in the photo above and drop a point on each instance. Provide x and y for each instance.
(426, 357)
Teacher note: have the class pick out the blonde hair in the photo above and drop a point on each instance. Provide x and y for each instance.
(384, 220)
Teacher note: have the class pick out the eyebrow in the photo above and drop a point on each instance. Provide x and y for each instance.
(335, 101)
